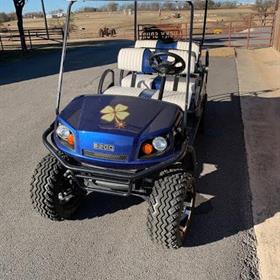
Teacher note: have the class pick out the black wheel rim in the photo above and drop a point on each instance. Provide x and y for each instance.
(186, 212)
(66, 199)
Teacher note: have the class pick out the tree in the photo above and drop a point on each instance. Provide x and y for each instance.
(19, 4)
(112, 6)
(262, 7)
(4, 17)
(88, 10)
(169, 6)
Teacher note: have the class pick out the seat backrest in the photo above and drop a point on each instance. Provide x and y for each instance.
(185, 56)
(184, 46)
(135, 59)
(176, 45)
(150, 44)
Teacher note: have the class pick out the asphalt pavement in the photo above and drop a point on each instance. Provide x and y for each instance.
(107, 238)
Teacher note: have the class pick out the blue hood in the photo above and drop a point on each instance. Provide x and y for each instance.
(120, 121)
(137, 116)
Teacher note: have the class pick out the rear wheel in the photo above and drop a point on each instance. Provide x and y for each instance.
(170, 208)
(52, 194)
(201, 128)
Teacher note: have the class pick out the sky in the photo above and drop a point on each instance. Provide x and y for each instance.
(50, 5)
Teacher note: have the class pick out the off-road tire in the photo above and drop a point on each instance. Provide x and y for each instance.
(113, 32)
(101, 33)
(166, 205)
(47, 182)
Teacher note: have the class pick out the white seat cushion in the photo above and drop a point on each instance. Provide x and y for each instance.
(181, 86)
(115, 90)
(184, 46)
(177, 98)
(142, 81)
(150, 44)
(174, 97)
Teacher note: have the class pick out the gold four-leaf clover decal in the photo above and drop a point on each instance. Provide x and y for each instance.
(117, 114)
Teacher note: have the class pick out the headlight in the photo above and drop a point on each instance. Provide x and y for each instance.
(160, 144)
(65, 134)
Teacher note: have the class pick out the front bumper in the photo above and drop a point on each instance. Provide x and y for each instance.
(126, 177)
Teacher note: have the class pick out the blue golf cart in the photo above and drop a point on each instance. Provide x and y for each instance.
(131, 139)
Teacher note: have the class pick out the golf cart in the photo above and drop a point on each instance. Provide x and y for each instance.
(135, 138)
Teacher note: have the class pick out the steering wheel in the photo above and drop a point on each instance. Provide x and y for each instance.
(161, 63)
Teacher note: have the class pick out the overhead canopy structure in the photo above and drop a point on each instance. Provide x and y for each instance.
(190, 39)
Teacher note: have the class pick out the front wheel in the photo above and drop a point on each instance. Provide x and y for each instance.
(170, 208)
(52, 194)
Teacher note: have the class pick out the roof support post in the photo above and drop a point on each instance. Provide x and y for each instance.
(204, 24)
(63, 54)
(189, 64)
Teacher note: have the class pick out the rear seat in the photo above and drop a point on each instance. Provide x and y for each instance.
(176, 45)
(137, 60)
(147, 82)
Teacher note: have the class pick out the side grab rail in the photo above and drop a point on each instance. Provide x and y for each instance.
(102, 80)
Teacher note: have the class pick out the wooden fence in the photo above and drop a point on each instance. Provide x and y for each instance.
(10, 40)
(254, 32)
(276, 31)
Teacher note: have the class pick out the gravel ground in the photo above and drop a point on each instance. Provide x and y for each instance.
(107, 238)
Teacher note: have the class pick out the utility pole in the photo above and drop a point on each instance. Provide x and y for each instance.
(45, 19)
(276, 5)
(135, 21)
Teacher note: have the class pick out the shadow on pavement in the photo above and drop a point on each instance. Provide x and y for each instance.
(98, 205)
(224, 182)
(225, 196)
(82, 56)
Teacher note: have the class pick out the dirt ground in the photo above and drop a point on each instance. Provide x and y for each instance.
(259, 72)
(222, 52)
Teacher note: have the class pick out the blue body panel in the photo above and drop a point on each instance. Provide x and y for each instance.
(144, 120)
(161, 46)
(166, 45)
(146, 67)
